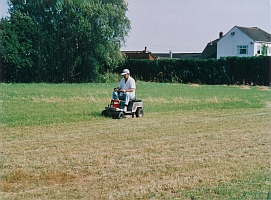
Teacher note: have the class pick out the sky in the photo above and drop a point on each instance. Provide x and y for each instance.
(186, 26)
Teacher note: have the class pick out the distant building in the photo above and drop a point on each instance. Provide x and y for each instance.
(145, 54)
(172, 55)
(239, 41)
(210, 51)
(244, 41)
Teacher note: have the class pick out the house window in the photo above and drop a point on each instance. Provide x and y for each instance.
(242, 49)
(259, 49)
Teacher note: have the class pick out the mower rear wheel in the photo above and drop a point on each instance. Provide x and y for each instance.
(114, 116)
(139, 112)
(104, 113)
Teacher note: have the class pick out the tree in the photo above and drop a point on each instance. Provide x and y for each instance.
(72, 40)
(17, 47)
(264, 50)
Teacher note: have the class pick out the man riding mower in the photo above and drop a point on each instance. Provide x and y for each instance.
(124, 102)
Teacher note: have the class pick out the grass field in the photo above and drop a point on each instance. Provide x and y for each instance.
(194, 142)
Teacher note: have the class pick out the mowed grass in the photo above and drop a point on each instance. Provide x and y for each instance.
(194, 142)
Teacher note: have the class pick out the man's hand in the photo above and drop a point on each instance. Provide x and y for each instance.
(116, 89)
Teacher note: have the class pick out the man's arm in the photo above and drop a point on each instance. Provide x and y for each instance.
(129, 90)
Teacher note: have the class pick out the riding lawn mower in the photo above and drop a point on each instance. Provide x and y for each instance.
(116, 109)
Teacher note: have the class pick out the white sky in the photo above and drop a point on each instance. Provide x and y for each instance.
(187, 25)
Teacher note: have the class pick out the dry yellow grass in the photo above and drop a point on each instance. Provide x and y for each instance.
(245, 87)
(265, 88)
(166, 156)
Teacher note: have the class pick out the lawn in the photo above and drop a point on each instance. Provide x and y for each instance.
(194, 142)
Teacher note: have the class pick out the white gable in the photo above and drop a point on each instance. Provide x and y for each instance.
(237, 43)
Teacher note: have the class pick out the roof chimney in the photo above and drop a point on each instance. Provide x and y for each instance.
(221, 34)
(145, 51)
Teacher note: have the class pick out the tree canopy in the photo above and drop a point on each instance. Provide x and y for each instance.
(62, 40)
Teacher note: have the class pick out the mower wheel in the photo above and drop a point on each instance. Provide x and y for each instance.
(115, 116)
(104, 113)
(139, 112)
(120, 115)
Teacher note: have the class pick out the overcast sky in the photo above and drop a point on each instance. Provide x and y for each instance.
(187, 25)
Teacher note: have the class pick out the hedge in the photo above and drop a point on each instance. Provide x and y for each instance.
(228, 70)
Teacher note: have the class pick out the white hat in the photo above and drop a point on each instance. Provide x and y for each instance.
(125, 71)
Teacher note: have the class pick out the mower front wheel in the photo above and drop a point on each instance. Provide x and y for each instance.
(119, 115)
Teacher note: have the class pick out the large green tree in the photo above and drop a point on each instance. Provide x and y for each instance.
(62, 40)
(17, 47)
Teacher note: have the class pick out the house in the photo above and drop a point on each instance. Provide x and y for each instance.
(210, 51)
(244, 41)
(239, 41)
(145, 54)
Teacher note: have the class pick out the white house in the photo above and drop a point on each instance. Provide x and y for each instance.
(244, 41)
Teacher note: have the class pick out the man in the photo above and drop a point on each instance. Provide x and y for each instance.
(126, 89)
